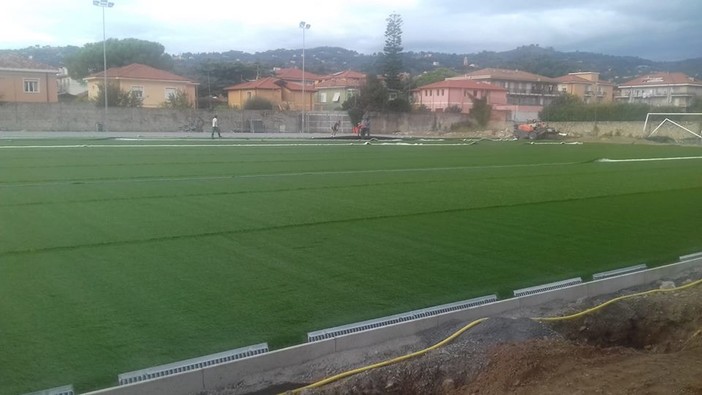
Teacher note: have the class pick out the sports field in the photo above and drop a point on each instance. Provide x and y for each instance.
(119, 255)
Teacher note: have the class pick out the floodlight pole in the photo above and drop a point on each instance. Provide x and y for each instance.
(304, 26)
(104, 4)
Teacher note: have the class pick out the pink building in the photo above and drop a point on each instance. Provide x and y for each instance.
(440, 96)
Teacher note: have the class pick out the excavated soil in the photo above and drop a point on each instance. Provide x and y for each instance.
(649, 344)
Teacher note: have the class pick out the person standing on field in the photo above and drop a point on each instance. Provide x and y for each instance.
(335, 128)
(215, 127)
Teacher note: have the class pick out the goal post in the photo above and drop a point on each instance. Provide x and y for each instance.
(676, 125)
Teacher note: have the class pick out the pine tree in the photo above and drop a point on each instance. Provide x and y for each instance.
(392, 61)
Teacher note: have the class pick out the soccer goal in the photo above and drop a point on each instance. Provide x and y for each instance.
(674, 125)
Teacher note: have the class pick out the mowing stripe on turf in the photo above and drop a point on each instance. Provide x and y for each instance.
(607, 160)
(229, 232)
(299, 174)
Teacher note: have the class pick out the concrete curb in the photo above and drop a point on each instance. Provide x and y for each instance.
(219, 376)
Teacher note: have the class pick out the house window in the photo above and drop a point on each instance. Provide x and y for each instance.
(323, 97)
(138, 91)
(337, 97)
(171, 92)
(31, 86)
(249, 94)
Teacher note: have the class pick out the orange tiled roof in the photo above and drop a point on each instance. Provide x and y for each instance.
(346, 79)
(504, 74)
(268, 83)
(140, 72)
(461, 84)
(339, 83)
(348, 74)
(663, 78)
(17, 62)
(296, 75)
(573, 79)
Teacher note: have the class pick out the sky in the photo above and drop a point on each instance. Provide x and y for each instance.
(652, 29)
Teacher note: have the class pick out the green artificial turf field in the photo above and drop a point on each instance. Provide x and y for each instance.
(121, 255)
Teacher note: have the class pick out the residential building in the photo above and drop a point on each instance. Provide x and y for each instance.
(587, 86)
(527, 93)
(334, 89)
(661, 89)
(285, 95)
(443, 95)
(22, 80)
(295, 75)
(68, 87)
(153, 85)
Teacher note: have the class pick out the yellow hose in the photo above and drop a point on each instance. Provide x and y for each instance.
(470, 325)
(590, 310)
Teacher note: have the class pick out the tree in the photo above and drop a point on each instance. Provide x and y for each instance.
(481, 111)
(258, 103)
(563, 108)
(89, 59)
(696, 105)
(437, 75)
(374, 95)
(117, 97)
(392, 59)
(178, 100)
(215, 76)
(398, 105)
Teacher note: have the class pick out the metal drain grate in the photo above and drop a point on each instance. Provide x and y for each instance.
(616, 272)
(191, 364)
(547, 287)
(63, 390)
(397, 318)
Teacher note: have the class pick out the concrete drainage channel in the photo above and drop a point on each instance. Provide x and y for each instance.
(224, 374)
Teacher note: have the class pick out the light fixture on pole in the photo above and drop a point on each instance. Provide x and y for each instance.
(104, 4)
(304, 26)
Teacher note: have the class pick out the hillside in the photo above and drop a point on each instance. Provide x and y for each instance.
(323, 60)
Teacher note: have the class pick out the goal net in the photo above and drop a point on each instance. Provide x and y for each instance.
(680, 127)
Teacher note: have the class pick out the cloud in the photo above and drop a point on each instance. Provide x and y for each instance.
(654, 29)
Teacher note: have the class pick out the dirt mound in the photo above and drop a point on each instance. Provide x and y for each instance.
(645, 344)
(649, 344)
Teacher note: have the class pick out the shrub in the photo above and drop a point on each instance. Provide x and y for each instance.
(258, 103)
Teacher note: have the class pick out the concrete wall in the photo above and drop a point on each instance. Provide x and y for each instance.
(590, 129)
(226, 374)
(84, 117)
(80, 117)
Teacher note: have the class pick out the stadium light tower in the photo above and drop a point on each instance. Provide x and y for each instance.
(104, 4)
(304, 26)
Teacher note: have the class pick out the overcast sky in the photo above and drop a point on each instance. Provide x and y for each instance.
(652, 29)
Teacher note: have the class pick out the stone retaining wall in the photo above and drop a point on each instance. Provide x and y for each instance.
(79, 117)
